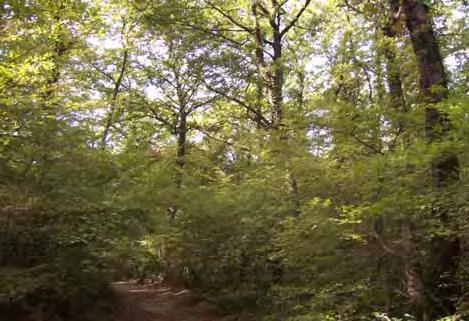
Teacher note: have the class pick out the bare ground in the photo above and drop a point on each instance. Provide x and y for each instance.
(163, 302)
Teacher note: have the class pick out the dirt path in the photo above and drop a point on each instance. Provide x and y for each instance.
(162, 302)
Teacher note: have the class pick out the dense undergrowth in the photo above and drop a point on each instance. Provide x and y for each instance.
(319, 173)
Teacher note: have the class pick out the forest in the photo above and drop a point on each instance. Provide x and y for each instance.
(283, 160)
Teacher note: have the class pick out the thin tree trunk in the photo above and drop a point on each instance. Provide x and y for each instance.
(413, 280)
(59, 51)
(278, 74)
(392, 68)
(50, 108)
(299, 94)
(115, 93)
(181, 147)
(262, 72)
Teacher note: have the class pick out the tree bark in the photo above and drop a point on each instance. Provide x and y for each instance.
(261, 67)
(278, 73)
(433, 80)
(181, 146)
(433, 87)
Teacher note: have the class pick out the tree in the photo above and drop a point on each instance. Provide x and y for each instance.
(445, 167)
(295, 159)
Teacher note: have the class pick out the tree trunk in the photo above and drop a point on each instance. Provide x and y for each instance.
(181, 140)
(413, 281)
(392, 68)
(115, 93)
(181, 134)
(445, 167)
(433, 81)
(278, 74)
(260, 64)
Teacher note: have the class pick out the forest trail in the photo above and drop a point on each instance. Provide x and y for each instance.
(163, 302)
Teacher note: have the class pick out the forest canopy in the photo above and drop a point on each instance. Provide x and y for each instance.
(287, 159)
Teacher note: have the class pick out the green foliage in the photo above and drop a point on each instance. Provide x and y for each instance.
(141, 141)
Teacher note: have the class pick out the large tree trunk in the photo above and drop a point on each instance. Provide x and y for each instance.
(433, 81)
(445, 167)
(433, 84)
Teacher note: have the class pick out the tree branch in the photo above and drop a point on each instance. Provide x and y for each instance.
(161, 119)
(367, 145)
(383, 245)
(297, 17)
(263, 122)
(230, 18)
(221, 140)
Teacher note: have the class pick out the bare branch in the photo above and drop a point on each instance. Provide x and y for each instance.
(362, 142)
(383, 245)
(201, 104)
(262, 121)
(263, 9)
(230, 18)
(353, 8)
(367, 145)
(297, 17)
(221, 140)
(108, 75)
(115, 93)
(161, 119)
